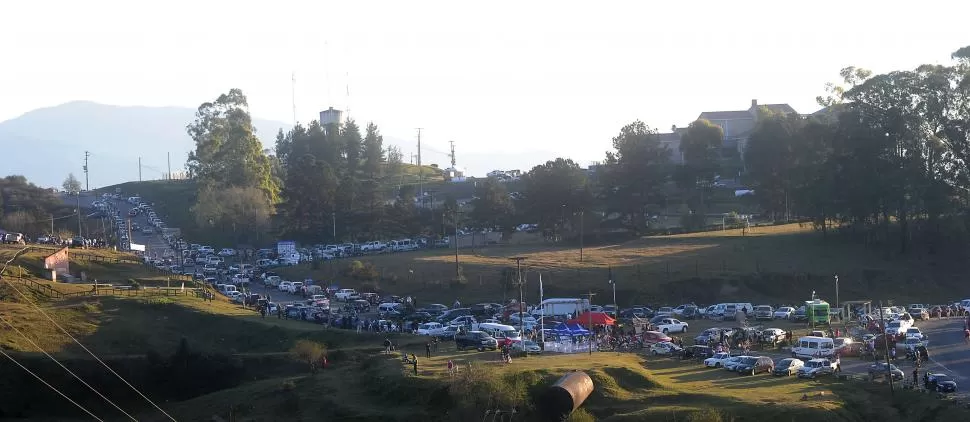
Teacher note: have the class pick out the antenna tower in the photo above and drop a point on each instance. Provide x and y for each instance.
(293, 95)
(347, 86)
(420, 172)
(452, 155)
(86, 185)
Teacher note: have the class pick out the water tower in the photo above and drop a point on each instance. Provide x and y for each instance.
(331, 116)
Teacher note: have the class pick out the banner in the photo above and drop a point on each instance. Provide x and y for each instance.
(137, 247)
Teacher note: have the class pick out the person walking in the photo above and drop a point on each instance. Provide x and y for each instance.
(414, 362)
(451, 368)
(427, 349)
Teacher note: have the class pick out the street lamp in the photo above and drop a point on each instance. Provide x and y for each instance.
(837, 305)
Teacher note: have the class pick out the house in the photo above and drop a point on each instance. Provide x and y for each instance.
(738, 125)
(454, 174)
(671, 140)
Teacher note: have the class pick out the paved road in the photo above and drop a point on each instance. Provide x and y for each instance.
(154, 244)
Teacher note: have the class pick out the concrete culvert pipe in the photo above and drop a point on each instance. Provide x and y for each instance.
(565, 396)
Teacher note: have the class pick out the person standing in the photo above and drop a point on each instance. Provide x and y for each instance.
(427, 349)
(414, 362)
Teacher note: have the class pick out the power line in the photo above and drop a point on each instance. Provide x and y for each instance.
(39, 309)
(50, 386)
(32, 343)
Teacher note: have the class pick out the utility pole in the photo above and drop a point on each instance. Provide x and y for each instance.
(333, 215)
(293, 95)
(589, 297)
(582, 232)
(87, 186)
(420, 170)
(457, 266)
(452, 155)
(78, 193)
(168, 157)
(518, 270)
(885, 343)
(139, 170)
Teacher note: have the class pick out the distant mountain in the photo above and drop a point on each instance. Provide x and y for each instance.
(46, 144)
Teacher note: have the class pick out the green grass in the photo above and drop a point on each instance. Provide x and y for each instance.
(770, 263)
(626, 387)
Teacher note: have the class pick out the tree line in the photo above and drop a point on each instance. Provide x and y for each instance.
(887, 152)
(29, 209)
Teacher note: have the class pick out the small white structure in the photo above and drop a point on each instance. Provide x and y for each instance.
(331, 116)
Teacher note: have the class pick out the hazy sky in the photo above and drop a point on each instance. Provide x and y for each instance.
(492, 76)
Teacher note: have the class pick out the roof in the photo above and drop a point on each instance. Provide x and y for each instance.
(779, 108)
(726, 115)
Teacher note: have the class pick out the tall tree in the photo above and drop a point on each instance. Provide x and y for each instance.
(552, 189)
(71, 184)
(373, 152)
(634, 174)
(352, 147)
(227, 151)
(491, 206)
(770, 159)
(700, 145)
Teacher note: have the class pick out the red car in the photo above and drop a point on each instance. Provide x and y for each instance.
(651, 337)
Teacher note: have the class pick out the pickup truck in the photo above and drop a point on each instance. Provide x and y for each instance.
(475, 339)
(372, 246)
(816, 368)
(670, 325)
(346, 295)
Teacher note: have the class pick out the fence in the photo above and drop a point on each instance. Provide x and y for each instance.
(103, 290)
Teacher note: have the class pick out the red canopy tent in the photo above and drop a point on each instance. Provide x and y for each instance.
(597, 318)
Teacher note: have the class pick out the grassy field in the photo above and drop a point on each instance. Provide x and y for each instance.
(627, 387)
(783, 263)
(97, 264)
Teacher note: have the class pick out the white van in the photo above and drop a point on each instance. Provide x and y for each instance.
(813, 347)
(500, 331)
(403, 245)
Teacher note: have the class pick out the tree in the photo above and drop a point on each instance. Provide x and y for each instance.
(241, 211)
(309, 352)
(227, 152)
(851, 76)
(395, 160)
(373, 154)
(71, 184)
(634, 174)
(700, 145)
(491, 207)
(770, 159)
(352, 147)
(552, 189)
(309, 196)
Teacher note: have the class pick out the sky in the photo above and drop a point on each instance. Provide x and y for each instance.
(498, 76)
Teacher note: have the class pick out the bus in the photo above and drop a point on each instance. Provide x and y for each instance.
(818, 312)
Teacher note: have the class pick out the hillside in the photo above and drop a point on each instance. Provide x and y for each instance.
(116, 136)
(773, 264)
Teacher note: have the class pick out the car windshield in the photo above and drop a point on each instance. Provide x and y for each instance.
(942, 378)
(814, 364)
(785, 363)
(749, 361)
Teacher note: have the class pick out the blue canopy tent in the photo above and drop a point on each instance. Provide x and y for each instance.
(569, 330)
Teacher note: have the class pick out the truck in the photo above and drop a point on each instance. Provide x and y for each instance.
(561, 307)
(346, 295)
(671, 325)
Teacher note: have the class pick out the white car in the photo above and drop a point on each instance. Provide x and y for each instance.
(428, 328)
(665, 348)
(529, 347)
(284, 286)
(717, 360)
(445, 332)
(914, 332)
(227, 252)
(784, 312)
(671, 325)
